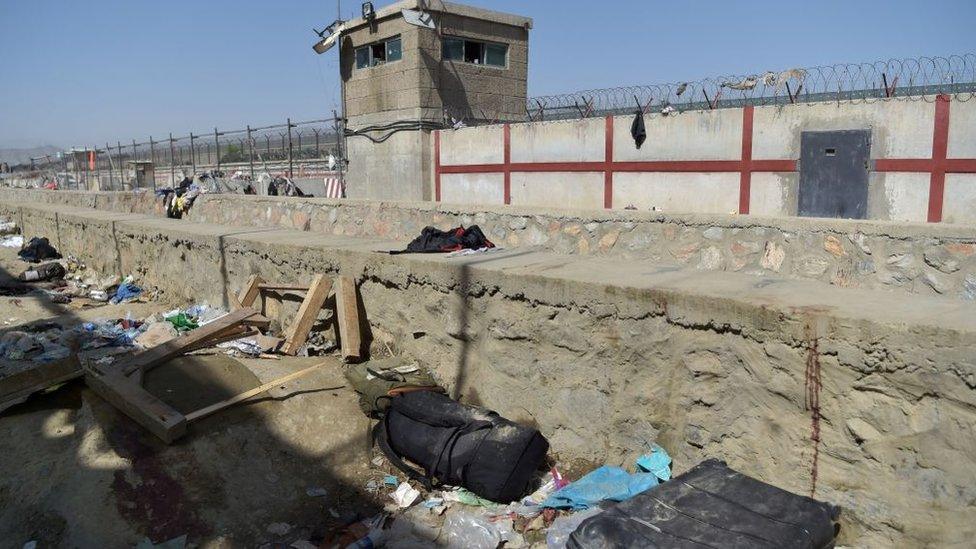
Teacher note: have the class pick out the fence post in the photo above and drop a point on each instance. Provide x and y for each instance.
(152, 160)
(250, 151)
(111, 167)
(172, 162)
(217, 146)
(193, 156)
(290, 172)
(316, 132)
(121, 173)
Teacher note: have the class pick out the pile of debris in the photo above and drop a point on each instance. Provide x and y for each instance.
(457, 476)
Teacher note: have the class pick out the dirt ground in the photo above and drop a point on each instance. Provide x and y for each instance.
(292, 464)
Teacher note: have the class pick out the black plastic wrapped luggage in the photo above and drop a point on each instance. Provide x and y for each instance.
(460, 445)
(712, 506)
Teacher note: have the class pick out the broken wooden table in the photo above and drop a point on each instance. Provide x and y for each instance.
(316, 294)
(121, 383)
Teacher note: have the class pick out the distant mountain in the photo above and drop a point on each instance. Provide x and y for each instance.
(23, 156)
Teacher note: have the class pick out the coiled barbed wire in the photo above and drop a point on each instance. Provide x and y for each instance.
(917, 79)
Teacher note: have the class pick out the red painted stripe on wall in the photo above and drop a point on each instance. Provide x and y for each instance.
(437, 166)
(745, 176)
(940, 146)
(507, 192)
(677, 166)
(608, 164)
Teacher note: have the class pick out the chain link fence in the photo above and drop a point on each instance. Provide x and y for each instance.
(297, 149)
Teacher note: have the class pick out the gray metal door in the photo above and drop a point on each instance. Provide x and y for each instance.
(834, 173)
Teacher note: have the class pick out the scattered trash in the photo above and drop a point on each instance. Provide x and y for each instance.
(469, 531)
(46, 271)
(604, 483)
(247, 347)
(377, 381)
(156, 333)
(668, 110)
(126, 292)
(98, 295)
(657, 462)
(390, 480)
(466, 497)
(12, 241)
(558, 534)
(405, 495)
(38, 249)
(746, 83)
(181, 321)
(431, 503)
(8, 227)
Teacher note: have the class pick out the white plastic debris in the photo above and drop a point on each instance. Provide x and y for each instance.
(405, 495)
(12, 241)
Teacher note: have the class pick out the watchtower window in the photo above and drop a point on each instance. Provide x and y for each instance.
(379, 53)
(475, 52)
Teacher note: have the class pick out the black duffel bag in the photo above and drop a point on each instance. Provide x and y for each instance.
(460, 445)
(712, 506)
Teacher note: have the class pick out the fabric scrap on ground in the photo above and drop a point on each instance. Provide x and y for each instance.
(604, 483)
(657, 462)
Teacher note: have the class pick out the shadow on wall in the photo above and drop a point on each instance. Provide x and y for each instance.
(464, 293)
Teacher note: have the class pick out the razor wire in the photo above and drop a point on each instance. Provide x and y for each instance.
(919, 79)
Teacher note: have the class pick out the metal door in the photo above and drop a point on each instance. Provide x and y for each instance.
(834, 173)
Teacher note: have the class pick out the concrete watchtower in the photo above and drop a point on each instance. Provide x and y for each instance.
(402, 76)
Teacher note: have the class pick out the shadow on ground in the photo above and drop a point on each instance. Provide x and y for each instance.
(78, 473)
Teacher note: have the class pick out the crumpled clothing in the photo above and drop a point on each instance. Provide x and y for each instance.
(637, 130)
(38, 249)
(604, 483)
(126, 291)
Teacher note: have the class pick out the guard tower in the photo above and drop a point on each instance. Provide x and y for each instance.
(410, 66)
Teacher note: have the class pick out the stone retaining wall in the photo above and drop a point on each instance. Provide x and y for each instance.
(926, 259)
(602, 367)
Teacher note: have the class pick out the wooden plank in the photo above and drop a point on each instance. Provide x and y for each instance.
(297, 332)
(257, 321)
(15, 388)
(272, 306)
(249, 293)
(284, 287)
(175, 347)
(137, 403)
(347, 312)
(216, 407)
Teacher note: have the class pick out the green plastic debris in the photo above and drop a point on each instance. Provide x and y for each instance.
(182, 322)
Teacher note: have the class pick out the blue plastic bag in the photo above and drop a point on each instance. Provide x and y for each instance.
(605, 483)
(657, 462)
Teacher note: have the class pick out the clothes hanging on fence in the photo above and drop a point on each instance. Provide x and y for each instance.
(637, 130)
(432, 240)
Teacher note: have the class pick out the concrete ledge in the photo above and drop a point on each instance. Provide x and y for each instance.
(910, 258)
(605, 353)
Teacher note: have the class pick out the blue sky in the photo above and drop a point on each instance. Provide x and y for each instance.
(74, 73)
